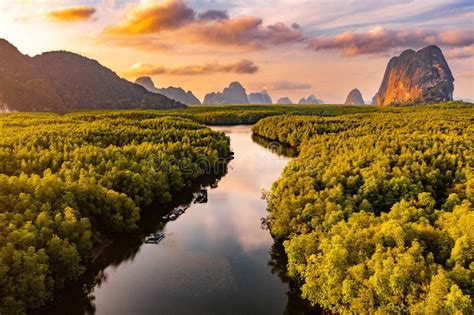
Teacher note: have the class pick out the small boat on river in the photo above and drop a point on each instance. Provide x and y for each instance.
(175, 212)
(201, 196)
(154, 238)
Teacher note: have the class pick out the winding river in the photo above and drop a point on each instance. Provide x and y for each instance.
(214, 259)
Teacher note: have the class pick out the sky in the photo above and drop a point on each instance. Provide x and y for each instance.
(290, 48)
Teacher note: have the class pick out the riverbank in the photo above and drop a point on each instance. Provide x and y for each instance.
(373, 190)
(215, 257)
(69, 181)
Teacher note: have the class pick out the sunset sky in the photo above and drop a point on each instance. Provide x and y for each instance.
(288, 47)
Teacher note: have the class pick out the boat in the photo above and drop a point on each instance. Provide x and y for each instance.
(154, 238)
(180, 209)
(201, 196)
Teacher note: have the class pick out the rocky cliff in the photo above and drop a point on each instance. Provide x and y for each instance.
(213, 98)
(354, 98)
(175, 93)
(284, 101)
(234, 94)
(147, 83)
(311, 100)
(420, 77)
(61, 81)
(260, 98)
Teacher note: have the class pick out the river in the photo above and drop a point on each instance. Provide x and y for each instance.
(214, 259)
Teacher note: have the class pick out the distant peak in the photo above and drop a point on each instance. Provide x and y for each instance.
(7, 46)
(354, 98)
(284, 100)
(428, 49)
(431, 48)
(407, 53)
(233, 94)
(145, 81)
(4, 42)
(312, 99)
(421, 77)
(235, 84)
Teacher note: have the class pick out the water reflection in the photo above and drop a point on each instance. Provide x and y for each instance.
(275, 147)
(295, 304)
(215, 258)
(79, 297)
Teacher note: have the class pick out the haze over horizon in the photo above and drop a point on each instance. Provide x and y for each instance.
(290, 48)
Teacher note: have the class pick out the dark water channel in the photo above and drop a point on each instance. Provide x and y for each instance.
(214, 259)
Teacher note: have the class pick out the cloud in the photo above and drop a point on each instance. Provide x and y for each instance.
(154, 19)
(457, 37)
(213, 15)
(175, 21)
(295, 26)
(284, 86)
(468, 75)
(148, 43)
(460, 53)
(248, 32)
(381, 40)
(243, 66)
(71, 14)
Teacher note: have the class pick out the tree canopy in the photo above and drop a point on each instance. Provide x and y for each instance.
(66, 180)
(376, 212)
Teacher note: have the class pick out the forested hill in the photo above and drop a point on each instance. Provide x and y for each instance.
(67, 180)
(62, 81)
(376, 212)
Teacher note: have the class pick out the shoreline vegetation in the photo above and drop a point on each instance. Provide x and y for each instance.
(375, 213)
(66, 180)
(121, 247)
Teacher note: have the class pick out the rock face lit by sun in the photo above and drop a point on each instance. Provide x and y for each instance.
(416, 78)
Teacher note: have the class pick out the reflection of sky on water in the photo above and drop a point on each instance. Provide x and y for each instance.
(214, 257)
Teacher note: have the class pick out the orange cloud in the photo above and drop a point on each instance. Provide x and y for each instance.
(243, 66)
(148, 43)
(242, 31)
(457, 37)
(380, 40)
(175, 21)
(460, 53)
(469, 75)
(71, 14)
(154, 18)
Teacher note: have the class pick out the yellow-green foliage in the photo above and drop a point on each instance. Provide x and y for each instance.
(376, 212)
(237, 114)
(64, 180)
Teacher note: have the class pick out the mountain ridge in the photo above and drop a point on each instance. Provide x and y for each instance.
(260, 98)
(312, 99)
(233, 94)
(175, 93)
(62, 81)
